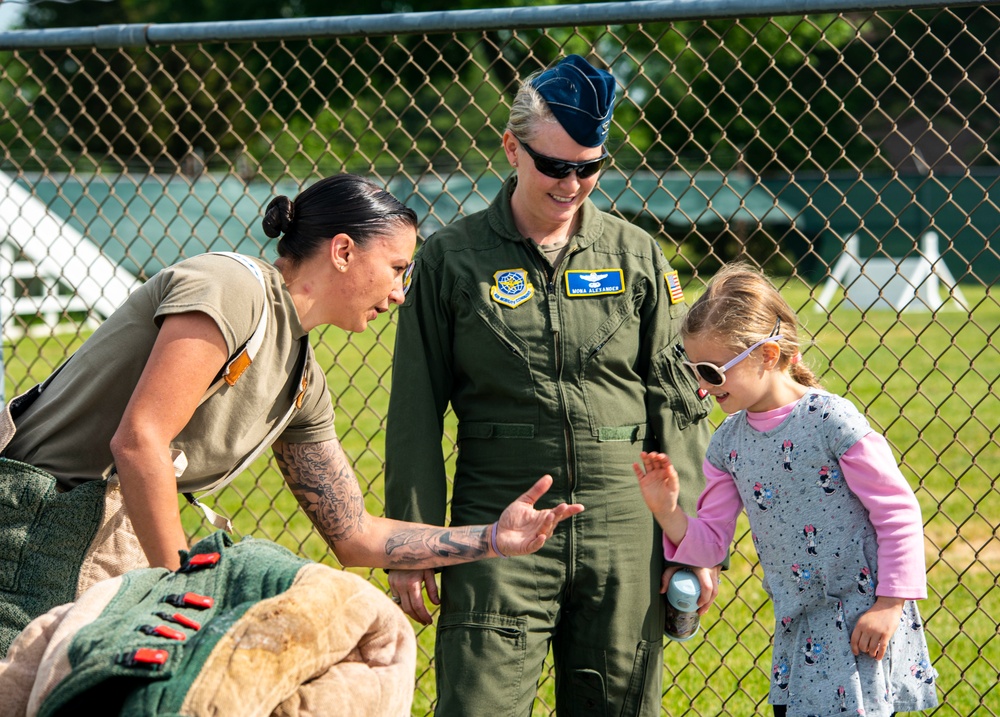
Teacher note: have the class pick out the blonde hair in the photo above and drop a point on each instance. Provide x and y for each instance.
(528, 111)
(740, 307)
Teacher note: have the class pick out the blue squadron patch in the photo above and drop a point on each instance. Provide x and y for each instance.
(594, 282)
(407, 278)
(511, 287)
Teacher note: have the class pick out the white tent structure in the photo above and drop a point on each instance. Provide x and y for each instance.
(48, 268)
(909, 284)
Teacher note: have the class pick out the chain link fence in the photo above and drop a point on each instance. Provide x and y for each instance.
(852, 153)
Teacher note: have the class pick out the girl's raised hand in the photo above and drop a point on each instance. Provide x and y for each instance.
(658, 482)
(660, 488)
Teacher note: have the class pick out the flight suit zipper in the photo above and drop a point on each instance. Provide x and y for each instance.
(554, 317)
(568, 437)
(556, 322)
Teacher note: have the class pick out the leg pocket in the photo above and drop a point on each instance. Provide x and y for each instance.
(602, 682)
(480, 665)
(587, 693)
(645, 687)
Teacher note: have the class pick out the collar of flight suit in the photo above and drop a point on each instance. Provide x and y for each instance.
(501, 218)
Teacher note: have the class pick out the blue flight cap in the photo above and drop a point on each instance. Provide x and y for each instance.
(581, 97)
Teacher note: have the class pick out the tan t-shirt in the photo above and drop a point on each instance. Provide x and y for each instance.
(68, 430)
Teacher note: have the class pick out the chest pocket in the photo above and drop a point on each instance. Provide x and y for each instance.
(493, 380)
(679, 386)
(612, 372)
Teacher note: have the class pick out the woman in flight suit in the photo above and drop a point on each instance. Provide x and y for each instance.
(550, 327)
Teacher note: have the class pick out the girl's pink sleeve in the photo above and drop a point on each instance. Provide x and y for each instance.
(872, 474)
(708, 536)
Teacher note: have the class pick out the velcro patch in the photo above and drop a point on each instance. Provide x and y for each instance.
(511, 287)
(674, 287)
(594, 282)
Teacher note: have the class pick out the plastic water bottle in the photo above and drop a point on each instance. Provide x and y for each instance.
(682, 620)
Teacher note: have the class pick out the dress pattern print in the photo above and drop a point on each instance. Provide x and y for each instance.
(818, 550)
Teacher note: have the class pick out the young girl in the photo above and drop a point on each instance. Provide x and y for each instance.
(837, 528)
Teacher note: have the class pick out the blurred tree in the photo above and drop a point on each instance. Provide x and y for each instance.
(188, 105)
(925, 86)
(764, 95)
(715, 94)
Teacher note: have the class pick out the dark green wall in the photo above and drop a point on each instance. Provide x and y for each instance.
(890, 213)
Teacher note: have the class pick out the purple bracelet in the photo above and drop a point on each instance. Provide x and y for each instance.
(493, 540)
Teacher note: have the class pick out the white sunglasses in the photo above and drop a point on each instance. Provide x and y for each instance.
(716, 375)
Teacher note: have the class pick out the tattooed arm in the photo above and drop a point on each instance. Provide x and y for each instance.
(324, 483)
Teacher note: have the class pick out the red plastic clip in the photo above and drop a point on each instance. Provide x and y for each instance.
(202, 602)
(180, 620)
(200, 562)
(163, 631)
(144, 657)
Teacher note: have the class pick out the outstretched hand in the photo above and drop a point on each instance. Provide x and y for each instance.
(522, 529)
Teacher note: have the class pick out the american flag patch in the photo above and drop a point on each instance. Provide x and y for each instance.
(674, 287)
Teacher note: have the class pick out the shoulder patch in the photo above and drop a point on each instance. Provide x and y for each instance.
(674, 287)
(407, 278)
(511, 287)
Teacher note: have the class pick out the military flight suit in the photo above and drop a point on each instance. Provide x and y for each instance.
(569, 372)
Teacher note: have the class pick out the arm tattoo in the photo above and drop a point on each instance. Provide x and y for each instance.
(325, 486)
(418, 543)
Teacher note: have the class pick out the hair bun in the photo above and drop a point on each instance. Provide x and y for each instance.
(279, 216)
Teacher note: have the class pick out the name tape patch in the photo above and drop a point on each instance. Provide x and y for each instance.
(594, 282)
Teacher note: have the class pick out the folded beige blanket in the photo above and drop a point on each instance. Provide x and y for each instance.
(332, 644)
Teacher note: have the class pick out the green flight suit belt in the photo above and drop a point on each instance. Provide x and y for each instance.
(527, 431)
(125, 663)
(491, 472)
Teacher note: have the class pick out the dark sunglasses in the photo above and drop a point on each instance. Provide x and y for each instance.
(559, 168)
(716, 375)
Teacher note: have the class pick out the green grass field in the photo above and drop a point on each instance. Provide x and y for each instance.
(929, 382)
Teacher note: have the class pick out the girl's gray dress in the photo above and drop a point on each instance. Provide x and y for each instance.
(817, 547)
